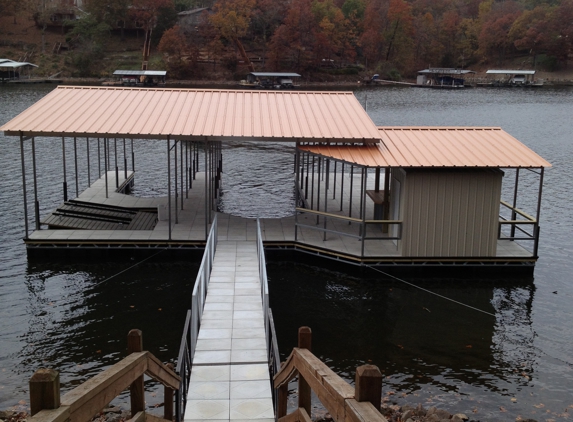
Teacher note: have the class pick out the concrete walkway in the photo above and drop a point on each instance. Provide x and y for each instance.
(230, 375)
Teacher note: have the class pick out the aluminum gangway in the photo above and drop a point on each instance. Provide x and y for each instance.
(227, 357)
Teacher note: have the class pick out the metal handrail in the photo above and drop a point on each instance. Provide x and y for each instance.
(193, 321)
(363, 223)
(273, 356)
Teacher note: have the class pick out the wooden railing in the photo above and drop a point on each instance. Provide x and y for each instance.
(86, 400)
(343, 402)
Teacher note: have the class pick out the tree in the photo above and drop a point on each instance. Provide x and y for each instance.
(180, 55)
(494, 35)
(530, 32)
(332, 34)
(146, 14)
(232, 19)
(266, 17)
(87, 38)
(373, 38)
(399, 32)
(112, 12)
(292, 42)
(427, 48)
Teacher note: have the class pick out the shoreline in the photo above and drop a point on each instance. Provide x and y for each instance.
(222, 84)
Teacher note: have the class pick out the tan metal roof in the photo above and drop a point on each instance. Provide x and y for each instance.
(196, 114)
(437, 147)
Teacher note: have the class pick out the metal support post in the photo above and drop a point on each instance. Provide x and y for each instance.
(36, 203)
(24, 185)
(64, 164)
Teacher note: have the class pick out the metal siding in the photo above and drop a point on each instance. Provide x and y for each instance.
(451, 214)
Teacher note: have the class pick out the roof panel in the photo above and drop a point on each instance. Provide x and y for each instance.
(437, 147)
(510, 72)
(196, 114)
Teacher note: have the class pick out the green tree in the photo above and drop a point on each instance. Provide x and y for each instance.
(112, 12)
(87, 37)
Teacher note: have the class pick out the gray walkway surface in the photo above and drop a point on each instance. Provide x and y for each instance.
(230, 378)
(188, 222)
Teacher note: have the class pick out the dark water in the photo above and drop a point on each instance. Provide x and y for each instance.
(514, 359)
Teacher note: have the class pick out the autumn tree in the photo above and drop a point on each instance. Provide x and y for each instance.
(531, 32)
(208, 39)
(373, 39)
(232, 19)
(266, 17)
(180, 55)
(427, 47)
(399, 32)
(293, 41)
(494, 36)
(333, 37)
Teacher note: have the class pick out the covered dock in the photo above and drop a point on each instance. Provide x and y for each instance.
(13, 70)
(388, 196)
(511, 78)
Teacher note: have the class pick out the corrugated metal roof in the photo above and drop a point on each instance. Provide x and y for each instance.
(437, 147)
(445, 71)
(275, 75)
(140, 73)
(510, 72)
(196, 115)
(11, 64)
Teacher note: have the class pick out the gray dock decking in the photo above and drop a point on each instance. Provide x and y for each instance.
(190, 225)
(230, 374)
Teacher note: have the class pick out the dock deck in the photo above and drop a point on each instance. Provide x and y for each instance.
(188, 225)
(230, 374)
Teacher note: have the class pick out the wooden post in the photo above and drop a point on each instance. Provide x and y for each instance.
(44, 390)
(168, 398)
(135, 344)
(369, 385)
(282, 401)
(304, 342)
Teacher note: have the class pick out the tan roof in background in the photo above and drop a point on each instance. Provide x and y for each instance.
(437, 147)
(196, 114)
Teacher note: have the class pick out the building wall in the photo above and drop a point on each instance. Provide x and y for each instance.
(450, 213)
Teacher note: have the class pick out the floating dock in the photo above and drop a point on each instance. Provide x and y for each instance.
(368, 195)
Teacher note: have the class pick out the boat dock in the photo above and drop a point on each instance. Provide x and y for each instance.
(391, 196)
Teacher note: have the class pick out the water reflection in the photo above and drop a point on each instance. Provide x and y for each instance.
(79, 315)
(430, 350)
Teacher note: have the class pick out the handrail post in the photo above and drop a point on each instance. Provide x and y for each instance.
(44, 390)
(304, 342)
(168, 398)
(134, 345)
(369, 385)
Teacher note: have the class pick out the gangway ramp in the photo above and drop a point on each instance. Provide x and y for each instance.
(230, 378)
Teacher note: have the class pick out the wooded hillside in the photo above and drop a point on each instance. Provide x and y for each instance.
(392, 37)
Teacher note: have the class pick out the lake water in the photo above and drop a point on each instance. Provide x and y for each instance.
(513, 360)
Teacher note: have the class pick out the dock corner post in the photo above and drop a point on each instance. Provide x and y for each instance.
(44, 390)
(64, 166)
(369, 385)
(169, 185)
(304, 342)
(136, 392)
(168, 398)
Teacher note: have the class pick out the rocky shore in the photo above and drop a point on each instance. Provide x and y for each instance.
(393, 413)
